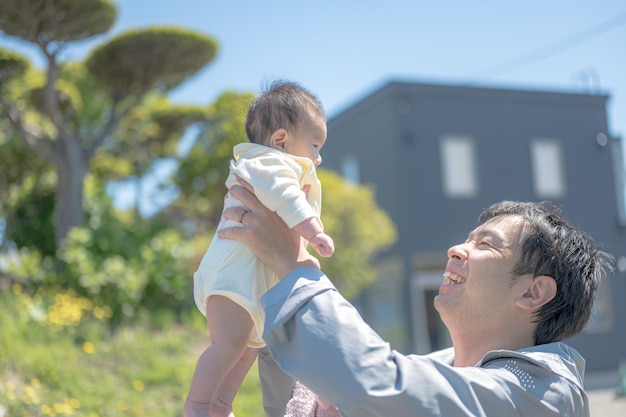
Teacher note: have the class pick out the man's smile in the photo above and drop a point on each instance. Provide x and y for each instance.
(452, 278)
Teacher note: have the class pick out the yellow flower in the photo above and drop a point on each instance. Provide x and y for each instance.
(58, 408)
(17, 288)
(102, 312)
(138, 385)
(32, 395)
(89, 348)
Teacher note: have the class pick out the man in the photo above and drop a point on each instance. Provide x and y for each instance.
(523, 280)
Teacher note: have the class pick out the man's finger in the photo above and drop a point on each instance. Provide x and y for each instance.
(230, 233)
(234, 213)
(227, 233)
(245, 183)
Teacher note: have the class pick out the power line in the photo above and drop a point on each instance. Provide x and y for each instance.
(554, 48)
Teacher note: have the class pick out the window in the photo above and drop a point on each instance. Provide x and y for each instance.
(350, 169)
(458, 166)
(546, 158)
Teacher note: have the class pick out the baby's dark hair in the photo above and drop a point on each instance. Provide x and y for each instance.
(283, 104)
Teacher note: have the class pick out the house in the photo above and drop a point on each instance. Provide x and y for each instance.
(437, 155)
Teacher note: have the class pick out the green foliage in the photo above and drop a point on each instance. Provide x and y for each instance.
(17, 163)
(29, 223)
(68, 96)
(85, 105)
(27, 197)
(127, 263)
(117, 260)
(46, 21)
(150, 132)
(172, 120)
(360, 229)
(12, 65)
(57, 357)
(69, 112)
(202, 173)
(27, 180)
(167, 57)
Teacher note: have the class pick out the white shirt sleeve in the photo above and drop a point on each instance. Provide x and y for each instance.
(277, 184)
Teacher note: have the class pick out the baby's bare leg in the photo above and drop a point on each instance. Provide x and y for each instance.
(227, 390)
(229, 326)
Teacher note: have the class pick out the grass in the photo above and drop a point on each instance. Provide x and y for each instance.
(58, 357)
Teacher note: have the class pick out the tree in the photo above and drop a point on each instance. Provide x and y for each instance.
(203, 171)
(25, 180)
(360, 228)
(151, 133)
(67, 125)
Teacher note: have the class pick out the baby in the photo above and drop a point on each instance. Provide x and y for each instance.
(286, 127)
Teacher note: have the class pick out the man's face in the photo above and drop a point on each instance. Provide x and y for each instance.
(478, 292)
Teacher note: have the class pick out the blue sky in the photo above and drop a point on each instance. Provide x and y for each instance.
(343, 50)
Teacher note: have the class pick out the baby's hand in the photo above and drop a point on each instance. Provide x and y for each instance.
(323, 244)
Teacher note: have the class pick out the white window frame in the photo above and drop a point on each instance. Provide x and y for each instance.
(547, 164)
(459, 168)
(350, 169)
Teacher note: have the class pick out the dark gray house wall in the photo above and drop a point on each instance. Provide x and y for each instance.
(396, 134)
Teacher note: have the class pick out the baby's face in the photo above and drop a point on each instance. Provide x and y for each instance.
(308, 139)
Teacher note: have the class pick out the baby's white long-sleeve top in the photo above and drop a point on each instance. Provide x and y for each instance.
(228, 267)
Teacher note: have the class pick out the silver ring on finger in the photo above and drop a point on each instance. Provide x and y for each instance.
(243, 214)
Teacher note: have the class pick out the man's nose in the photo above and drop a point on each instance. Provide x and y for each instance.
(457, 252)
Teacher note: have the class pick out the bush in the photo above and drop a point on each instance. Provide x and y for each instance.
(58, 358)
(127, 270)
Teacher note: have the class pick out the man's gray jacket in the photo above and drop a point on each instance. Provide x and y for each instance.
(318, 338)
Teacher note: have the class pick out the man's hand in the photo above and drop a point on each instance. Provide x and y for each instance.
(265, 233)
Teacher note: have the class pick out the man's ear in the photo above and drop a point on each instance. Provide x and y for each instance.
(541, 291)
(279, 138)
